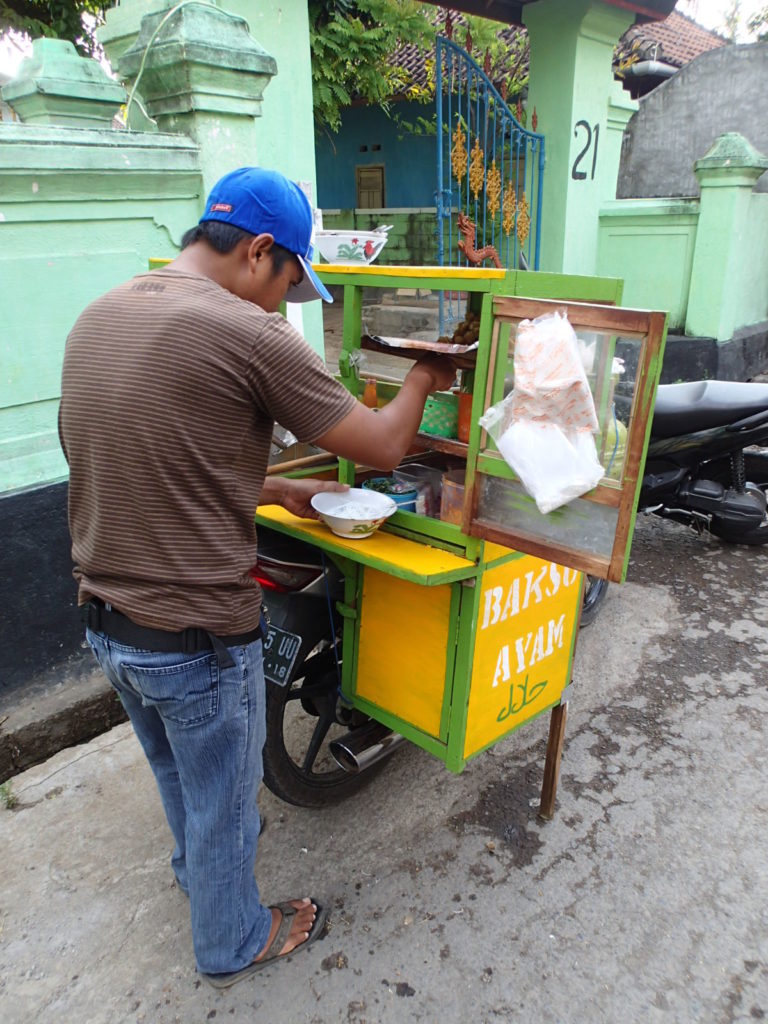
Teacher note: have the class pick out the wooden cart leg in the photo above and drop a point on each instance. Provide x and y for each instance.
(552, 763)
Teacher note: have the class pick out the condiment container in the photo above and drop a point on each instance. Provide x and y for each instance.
(452, 500)
(370, 396)
(465, 416)
(428, 481)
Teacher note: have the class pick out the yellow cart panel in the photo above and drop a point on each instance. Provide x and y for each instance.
(402, 658)
(527, 621)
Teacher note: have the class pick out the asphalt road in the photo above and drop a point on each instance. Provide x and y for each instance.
(644, 900)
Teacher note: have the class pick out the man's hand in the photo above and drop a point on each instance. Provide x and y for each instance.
(441, 371)
(297, 494)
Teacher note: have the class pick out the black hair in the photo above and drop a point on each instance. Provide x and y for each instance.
(224, 237)
(221, 237)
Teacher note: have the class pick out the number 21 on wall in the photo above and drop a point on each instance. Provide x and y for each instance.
(593, 136)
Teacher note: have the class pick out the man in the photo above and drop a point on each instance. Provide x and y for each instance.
(171, 385)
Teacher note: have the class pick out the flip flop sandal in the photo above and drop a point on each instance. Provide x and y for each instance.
(273, 949)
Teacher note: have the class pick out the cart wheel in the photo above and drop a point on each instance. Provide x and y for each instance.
(302, 719)
(595, 590)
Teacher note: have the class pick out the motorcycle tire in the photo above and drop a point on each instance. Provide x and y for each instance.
(595, 590)
(302, 718)
(756, 472)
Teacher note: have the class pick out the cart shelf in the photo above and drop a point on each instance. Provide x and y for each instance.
(407, 348)
(444, 445)
(407, 559)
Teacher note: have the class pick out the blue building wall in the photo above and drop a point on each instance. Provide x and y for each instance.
(409, 160)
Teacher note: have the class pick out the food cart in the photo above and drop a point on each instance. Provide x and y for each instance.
(458, 632)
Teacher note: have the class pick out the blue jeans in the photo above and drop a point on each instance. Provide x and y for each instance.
(203, 729)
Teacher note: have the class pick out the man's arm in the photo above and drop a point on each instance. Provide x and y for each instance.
(380, 439)
(377, 439)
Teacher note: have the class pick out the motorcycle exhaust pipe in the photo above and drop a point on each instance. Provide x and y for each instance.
(362, 747)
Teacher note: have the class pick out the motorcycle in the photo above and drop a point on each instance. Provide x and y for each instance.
(317, 745)
(704, 468)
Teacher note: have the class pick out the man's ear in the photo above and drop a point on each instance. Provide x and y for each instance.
(259, 247)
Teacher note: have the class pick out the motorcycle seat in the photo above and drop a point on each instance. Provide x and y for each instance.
(703, 404)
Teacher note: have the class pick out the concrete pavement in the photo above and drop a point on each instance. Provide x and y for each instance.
(643, 901)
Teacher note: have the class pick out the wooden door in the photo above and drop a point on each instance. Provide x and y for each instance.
(370, 187)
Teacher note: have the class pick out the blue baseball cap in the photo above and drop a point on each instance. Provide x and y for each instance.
(261, 201)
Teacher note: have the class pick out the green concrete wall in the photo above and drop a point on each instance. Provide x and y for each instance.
(704, 260)
(80, 211)
(650, 244)
(412, 240)
(83, 209)
(729, 287)
(749, 295)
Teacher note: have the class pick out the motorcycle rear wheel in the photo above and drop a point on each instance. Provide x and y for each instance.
(756, 472)
(595, 590)
(302, 719)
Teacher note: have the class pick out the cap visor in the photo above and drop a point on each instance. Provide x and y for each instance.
(310, 287)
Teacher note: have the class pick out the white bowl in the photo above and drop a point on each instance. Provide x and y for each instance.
(350, 246)
(337, 508)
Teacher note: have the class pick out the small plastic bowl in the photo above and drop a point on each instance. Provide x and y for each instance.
(374, 509)
(404, 495)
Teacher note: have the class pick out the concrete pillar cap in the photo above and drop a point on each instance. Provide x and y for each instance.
(732, 151)
(55, 85)
(200, 59)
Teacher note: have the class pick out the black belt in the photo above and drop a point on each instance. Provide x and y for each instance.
(103, 618)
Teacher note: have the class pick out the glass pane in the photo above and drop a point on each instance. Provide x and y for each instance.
(581, 525)
(610, 364)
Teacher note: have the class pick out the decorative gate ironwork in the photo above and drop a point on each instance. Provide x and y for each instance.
(490, 169)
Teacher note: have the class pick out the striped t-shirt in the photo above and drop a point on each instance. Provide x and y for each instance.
(170, 388)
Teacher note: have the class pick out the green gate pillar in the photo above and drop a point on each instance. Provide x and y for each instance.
(572, 88)
(727, 175)
(284, 132)
(203, 75)
(118, 33)
(122, 23)
(287, 128)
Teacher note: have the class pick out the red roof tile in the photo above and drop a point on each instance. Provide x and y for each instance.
(676, 40)
(412, 59)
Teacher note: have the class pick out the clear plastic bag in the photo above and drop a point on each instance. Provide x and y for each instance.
(545, 426)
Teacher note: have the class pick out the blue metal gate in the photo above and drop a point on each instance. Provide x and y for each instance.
(490, 170)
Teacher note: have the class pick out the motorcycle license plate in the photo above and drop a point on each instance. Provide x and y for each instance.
(280, 652)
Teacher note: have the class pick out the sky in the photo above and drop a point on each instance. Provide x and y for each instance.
(709, 13)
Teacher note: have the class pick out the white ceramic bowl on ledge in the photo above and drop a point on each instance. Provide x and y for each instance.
(350, 246)
(355, 513)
